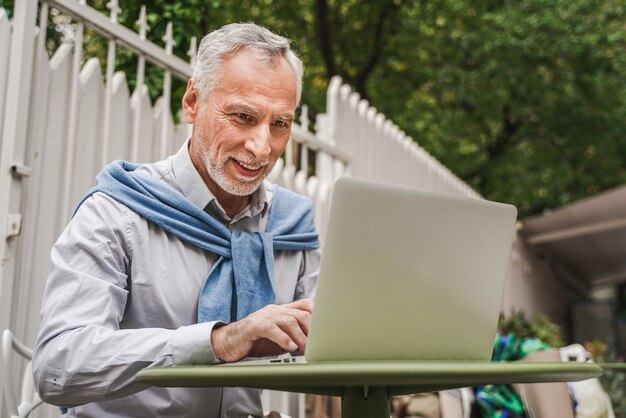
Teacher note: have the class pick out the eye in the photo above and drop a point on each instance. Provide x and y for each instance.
(244, 116)
(281, 124)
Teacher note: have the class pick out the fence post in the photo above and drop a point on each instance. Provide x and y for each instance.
(141, 68)
(326, 129)
(12, 151)
(165, 97)
(113, 6)
(13, 146)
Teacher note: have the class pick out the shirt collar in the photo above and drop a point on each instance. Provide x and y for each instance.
(194, 189)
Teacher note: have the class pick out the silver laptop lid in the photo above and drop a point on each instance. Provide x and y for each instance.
(409, 275)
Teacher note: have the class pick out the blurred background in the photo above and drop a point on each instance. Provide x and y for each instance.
(524, 101)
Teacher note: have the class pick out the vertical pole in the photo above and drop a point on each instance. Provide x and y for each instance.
(43, 24)
(141, 69)
(356, 132)
(366, 402)
(344, 134)
(167, 94)
(323, 164)
(12, 152)
(358, 152)
(192, 53)
(13, 142)
(301, 405)
(385, 163)
(113, 6)
(332, 108)
(73, 121)
(377, 149)
(289, 160)
(326, 130)
(304, 149)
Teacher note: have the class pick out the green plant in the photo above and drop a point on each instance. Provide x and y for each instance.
(539, 326)
(614, 383)
(597, 349)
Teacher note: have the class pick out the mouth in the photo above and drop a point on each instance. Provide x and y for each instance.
(246, 169)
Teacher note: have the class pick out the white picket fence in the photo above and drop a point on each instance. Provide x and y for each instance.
(61, 122)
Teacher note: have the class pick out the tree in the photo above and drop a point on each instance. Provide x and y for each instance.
(524, 100)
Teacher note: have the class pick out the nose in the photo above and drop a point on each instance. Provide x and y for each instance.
(258, 143)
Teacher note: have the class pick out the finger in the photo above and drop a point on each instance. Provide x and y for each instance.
(265, 347)
(273, 332)
(302, 317)
(292, 322)
(292, 327)
(302, 304)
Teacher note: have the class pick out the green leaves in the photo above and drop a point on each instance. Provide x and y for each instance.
(525, 100)
(521, 89)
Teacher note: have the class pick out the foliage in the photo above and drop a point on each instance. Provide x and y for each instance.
(614, 383)
(597, 349)
(525, 100)
(539, 326)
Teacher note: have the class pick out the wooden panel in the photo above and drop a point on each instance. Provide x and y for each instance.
(28, 288)
(299, 183)
(55, 146)
(120, 128)
(183, 131)
(87, 153)
(379, 150)
(162, 146)
(16, 60)
(142, 108)
(5, 47)
(49, 220)
(17, 108)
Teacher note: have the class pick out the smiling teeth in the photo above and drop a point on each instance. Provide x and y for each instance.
(248, 167)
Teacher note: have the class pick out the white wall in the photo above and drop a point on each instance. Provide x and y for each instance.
(532, 286)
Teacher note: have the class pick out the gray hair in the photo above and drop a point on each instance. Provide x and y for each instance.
(230, 39)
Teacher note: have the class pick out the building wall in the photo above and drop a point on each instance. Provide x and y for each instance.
(533, 285)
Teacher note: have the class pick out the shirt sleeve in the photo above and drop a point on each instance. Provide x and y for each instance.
(309, 271)
(81, 354)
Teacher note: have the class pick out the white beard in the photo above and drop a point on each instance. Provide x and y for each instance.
(238, 186)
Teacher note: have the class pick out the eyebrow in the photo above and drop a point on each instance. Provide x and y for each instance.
(286, 116)
(244, 108)
(240, 107)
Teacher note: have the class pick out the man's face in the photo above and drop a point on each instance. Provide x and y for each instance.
(242, 126)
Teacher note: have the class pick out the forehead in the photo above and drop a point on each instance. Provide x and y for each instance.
(247, 74)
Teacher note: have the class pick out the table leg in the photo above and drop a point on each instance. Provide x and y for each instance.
(359, 402)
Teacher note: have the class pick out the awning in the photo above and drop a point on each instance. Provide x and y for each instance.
(587, 237)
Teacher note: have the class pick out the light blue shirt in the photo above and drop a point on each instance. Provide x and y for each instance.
(122, 295)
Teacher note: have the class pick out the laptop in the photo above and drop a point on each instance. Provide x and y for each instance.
(407, 274)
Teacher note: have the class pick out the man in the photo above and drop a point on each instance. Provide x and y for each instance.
(128, 285)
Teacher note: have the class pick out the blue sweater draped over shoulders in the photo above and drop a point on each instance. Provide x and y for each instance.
(241, 280)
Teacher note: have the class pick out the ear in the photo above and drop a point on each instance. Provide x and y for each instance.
(190, 102)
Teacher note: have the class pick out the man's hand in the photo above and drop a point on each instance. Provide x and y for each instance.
(273, 330)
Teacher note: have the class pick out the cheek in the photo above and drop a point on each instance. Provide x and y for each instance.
(217, 138)
(278, 146)
(203, 132)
